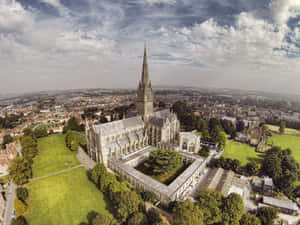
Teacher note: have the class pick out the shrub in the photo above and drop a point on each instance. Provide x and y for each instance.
(20, 220)
(19, 207)
(22, 193)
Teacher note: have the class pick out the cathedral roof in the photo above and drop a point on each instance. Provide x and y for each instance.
(159, 118)
(116, 127)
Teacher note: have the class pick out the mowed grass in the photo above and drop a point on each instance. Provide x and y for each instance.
(64, 199)
(286, 130)
(166, 178)
(242, 152)
(53, 156)
(287, 141)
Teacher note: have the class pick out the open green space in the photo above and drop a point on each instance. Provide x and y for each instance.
(286, 130)
(243, 152)
(53, 156)
(64, 199)
(286, 141)
(165, 178)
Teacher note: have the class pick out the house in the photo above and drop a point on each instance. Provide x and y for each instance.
(262, 185)
(268, 186)
(241, 137)
(256, 136)
(227, 182)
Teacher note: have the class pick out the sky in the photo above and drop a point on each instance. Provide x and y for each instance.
(67, 44)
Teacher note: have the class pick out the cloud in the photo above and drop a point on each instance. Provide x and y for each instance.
(99, 43)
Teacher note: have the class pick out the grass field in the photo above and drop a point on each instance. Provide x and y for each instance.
(286, 130)
(242, 152)
(53, 156)
(287, 141)
(64, 199)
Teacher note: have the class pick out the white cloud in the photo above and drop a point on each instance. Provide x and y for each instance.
(248, 53)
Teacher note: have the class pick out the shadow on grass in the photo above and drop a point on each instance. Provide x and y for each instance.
(259, 159)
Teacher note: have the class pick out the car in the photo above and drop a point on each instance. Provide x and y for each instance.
(13, 215)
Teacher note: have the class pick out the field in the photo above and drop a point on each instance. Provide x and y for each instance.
(286, 130)
(53, 156)
(63, 199)
(287, 141)
(242, 152)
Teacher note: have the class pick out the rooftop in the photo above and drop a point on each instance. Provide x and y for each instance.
(280, 203)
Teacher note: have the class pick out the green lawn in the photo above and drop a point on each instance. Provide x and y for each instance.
(53, 156)
(286, 130)
(166, 178)
(287, 141)
(64, 199)
(242, 152)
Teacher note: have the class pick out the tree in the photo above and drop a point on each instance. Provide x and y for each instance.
(163, 161)
(126, 204)
(6, 140)
(73, 125)
(222, 140)
(148, 196)
(282, 127)
(267, 215)
(20, 220)
(248, 219)
(102, 219)
(154, 216)
(210, 202)
(187, 213)
(20, 170)
(138, 219)
(28, 132)
(40, 131)
(22, 193)
(97, 172)
(204, 151)
(71, 140)
(19, 207)
(29, 147)
(252, 168)
(282, 167)
(233, 209)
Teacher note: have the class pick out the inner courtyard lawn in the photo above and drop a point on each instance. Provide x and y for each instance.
(286, 130)
(53, 156)
(166, 178)
(286, 141)
(64, 199)
(242, 152)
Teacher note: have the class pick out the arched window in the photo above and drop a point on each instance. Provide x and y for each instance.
(184, 146)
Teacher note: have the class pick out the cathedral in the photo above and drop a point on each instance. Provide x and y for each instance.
(121, 138)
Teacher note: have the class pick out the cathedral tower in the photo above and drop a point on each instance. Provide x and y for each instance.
(144, 92)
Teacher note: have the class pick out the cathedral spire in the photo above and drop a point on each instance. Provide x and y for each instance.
(145, 73)
(144, 92)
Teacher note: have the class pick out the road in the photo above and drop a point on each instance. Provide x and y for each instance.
(10, 195)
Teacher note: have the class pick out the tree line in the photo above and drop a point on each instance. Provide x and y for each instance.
(128, 205)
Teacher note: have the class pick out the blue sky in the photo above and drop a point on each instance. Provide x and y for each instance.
(62, 44)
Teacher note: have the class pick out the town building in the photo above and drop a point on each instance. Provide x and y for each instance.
(283, 206)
